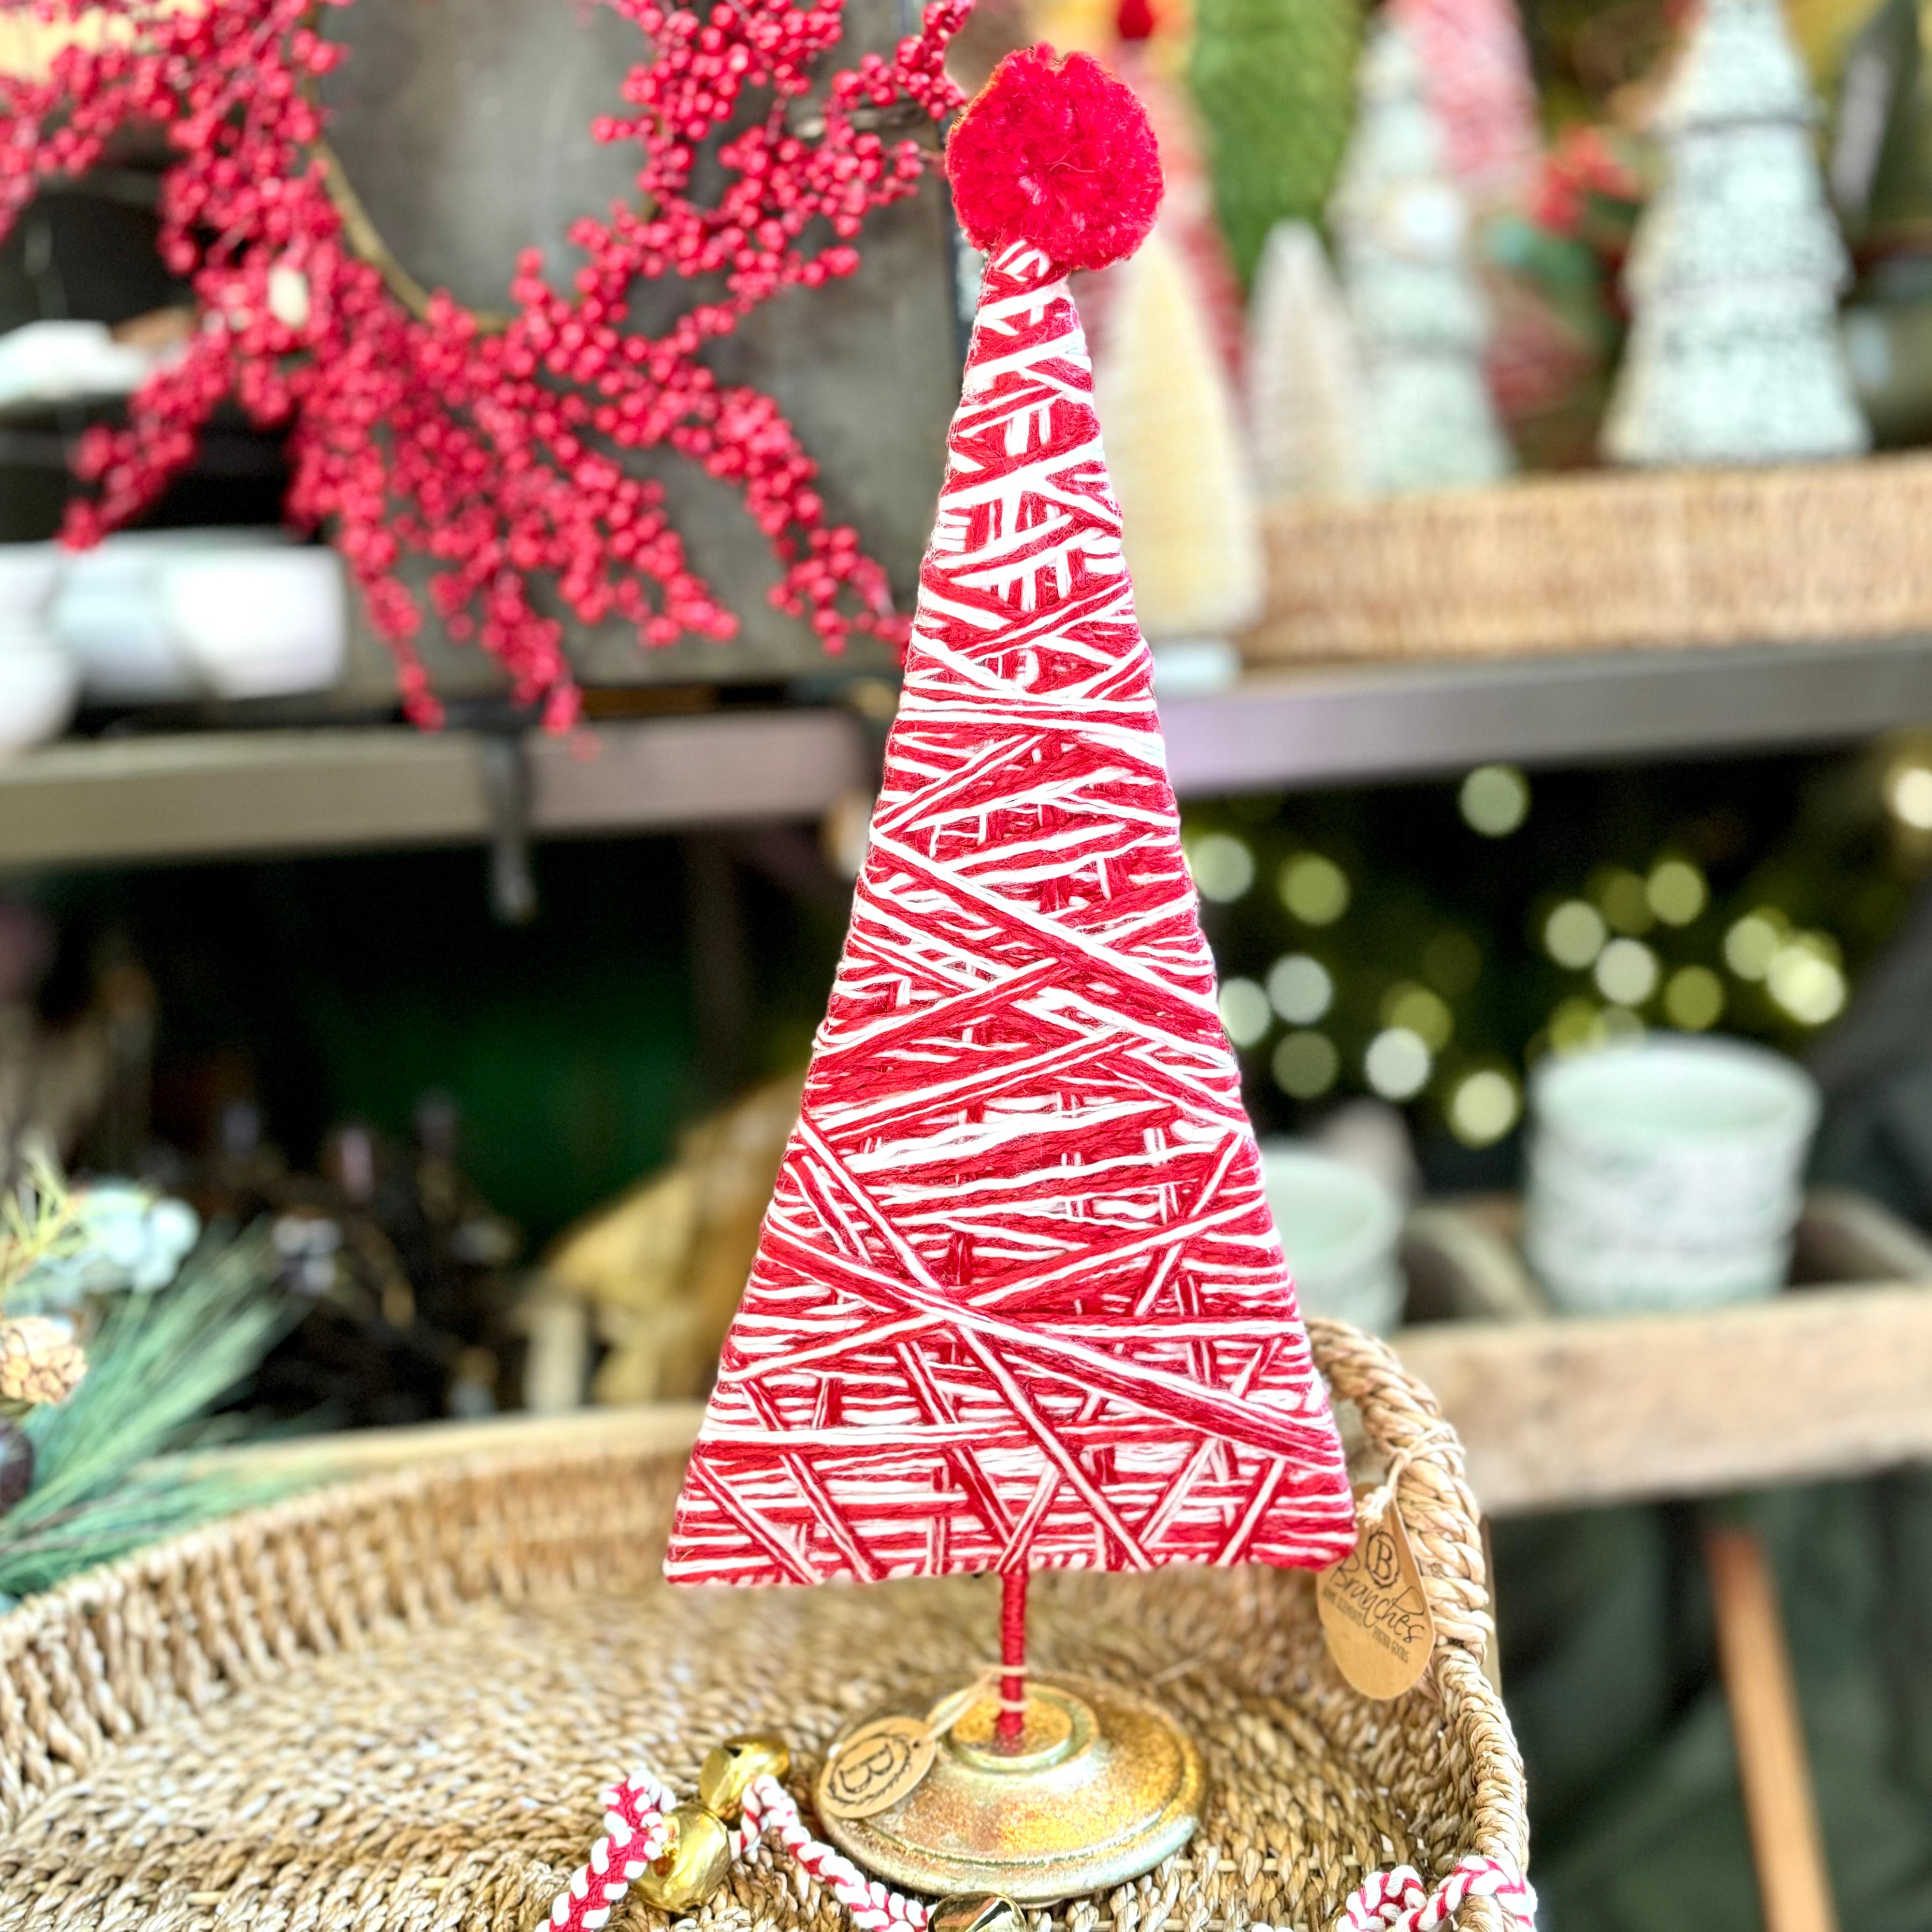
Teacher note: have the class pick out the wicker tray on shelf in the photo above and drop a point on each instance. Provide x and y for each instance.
(1667, 558)
(391, 1705)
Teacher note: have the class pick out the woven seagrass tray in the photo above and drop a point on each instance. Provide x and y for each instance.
(1808, 553)
(391, 1705)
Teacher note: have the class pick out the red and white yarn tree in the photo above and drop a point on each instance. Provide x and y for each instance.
(1018, 1302)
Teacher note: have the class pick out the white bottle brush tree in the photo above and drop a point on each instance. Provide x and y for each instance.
(1168, 413)
(1304, 380)
(1420, 319)
(1733, 355)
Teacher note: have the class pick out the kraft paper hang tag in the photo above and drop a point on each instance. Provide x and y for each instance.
(883, 1762)
(879, 1764)
(1375, 1613)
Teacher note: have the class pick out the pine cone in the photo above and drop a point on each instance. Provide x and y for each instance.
(40, 1362)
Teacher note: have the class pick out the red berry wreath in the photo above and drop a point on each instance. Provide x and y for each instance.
(495, 452)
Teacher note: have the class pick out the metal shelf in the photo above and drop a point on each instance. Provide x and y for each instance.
(258, 793)
(1348, 724)
(234, 794)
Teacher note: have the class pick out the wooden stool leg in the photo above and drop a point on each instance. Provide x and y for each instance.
(1794, 1886)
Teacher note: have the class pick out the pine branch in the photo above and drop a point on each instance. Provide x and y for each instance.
(158, 1363)
(39, 1221)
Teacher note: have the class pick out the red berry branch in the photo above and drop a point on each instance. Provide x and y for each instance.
(498, 453)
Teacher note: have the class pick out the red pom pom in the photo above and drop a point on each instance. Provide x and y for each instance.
(1059, 154)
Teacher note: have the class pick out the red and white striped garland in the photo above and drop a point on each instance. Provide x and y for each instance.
(1398, 1900)
(635, 1837)
(634, 1834)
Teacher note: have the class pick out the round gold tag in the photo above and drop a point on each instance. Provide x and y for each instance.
(876, 1766)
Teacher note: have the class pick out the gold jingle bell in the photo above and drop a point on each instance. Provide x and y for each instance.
(977, 1912)
(695, 1866)
(730, 1769)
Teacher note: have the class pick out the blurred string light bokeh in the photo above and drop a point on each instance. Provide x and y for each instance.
(1429, 944)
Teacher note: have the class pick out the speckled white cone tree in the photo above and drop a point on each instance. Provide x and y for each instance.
(1733, 355)
(1304, 379)
(1420, 320)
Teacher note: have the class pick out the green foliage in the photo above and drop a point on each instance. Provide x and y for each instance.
(1447, 931)
(1275, 80)
(156, 1365)
(39, 1221)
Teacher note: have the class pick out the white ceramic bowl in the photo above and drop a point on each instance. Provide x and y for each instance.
(129, 556)
(258, 623)
(1587, 1279)
(121, 641)
(1340, 1228)
(1666, 1174)
(28, 572)
(39, 685)
(44, 361)
(108, 611)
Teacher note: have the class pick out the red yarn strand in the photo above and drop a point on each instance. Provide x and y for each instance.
(1010, 1726)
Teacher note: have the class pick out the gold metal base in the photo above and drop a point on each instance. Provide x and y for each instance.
(1102, 1786)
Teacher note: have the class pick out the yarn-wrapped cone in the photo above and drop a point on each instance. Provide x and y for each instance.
(1058, 154)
